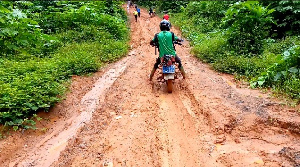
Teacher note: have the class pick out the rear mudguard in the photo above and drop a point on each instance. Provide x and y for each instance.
(169, 76)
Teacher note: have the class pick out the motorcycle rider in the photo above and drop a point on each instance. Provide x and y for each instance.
(164, 40)
(150, 12)
(166, 16)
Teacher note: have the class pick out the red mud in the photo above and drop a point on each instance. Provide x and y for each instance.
(118, 118)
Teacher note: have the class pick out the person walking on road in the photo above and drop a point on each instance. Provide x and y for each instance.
(139, 11)
(135, 13)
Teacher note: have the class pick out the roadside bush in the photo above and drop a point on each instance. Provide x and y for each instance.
(83, 37)
(236, 38)
(286, 15)
(210, 49)
(147, 4)
(243, 65)
(113, 50)
(291, 87)
(85, 33)
(77, 59)
(114, 26)
(172, 6)
(39, 83)
(285, 70)
(21, 35)
(281, 45)
(26, 92)
(206, 15)
(247, 24)
(58, 16)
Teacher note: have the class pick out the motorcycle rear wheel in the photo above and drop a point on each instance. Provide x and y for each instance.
(170, 85)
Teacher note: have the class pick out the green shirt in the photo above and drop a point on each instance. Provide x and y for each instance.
(165, 43)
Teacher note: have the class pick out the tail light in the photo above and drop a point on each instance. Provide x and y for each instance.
(173, 59)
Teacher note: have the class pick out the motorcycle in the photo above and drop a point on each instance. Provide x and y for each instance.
(169, 69)
(152, 14)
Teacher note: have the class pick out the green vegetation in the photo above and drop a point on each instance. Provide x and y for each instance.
(44, 43)
(255, 40)
(171, 6)
(247, 25)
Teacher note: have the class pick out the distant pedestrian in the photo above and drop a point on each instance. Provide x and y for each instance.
(131, 4)
(135, 13)
(150, 12)
(128, 3)
(139, 11)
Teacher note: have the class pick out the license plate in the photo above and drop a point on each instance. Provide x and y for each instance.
(169, 69)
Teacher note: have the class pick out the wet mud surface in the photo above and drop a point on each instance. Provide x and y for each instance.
(118, 118)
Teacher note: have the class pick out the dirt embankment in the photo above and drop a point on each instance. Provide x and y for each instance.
(118, 118)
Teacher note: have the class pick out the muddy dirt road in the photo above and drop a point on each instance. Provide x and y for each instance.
(118, 118)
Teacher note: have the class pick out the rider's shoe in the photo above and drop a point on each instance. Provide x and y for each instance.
(152, 74)
(182, 72)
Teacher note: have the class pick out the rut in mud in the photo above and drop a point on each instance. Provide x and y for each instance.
(117, 117)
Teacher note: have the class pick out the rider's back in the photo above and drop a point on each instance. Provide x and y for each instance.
(165, 41)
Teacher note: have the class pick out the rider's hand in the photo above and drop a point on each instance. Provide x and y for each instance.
(152, 43)
(179, 40)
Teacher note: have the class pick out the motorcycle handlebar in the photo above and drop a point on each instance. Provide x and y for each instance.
(175, 42)
(178, 43)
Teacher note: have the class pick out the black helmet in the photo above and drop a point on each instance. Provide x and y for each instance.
(164, 25)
